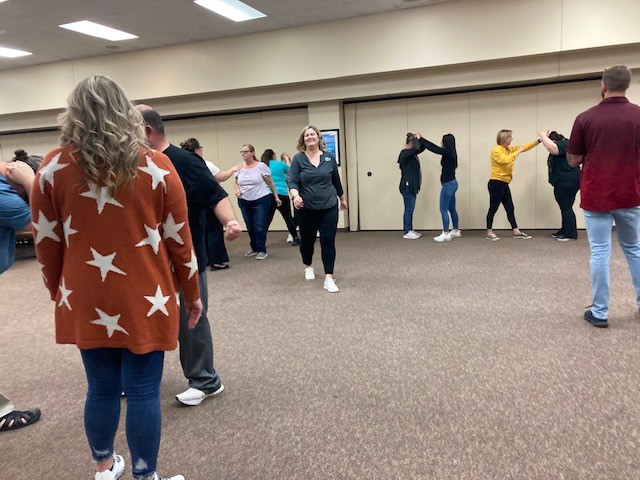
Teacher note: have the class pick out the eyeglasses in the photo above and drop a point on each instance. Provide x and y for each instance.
(242, 152)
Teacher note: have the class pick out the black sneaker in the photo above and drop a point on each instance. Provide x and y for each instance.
(564, 238)
(596, 322)
(295, 242)
(555, 235)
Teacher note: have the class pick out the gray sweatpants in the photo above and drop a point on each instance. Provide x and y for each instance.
(196, 346)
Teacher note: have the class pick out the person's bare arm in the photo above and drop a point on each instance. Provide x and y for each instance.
(226, 175)
(549, 144)
(574, 160)
(224, 213)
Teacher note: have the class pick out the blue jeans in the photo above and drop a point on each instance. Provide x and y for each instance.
(256, 218)
(409, 206)
(448, 204)
(109, 372)
(599, 225)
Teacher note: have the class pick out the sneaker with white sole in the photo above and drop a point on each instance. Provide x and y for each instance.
(290, 238)
(455, 233)
(261, 255)
(114, 472)
(493, 237)
(410, 236)
(309, 274)
(443, 237)
(416, 233)
(251, 253)
(193, 396)
(330, 285)
(522, 236)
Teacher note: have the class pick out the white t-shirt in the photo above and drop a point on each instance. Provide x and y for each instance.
(212, 168)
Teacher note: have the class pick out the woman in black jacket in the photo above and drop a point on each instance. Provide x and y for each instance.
(410, 181)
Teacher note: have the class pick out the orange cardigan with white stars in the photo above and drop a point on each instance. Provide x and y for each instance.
(114, 265)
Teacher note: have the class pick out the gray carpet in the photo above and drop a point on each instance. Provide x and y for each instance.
(463, 360)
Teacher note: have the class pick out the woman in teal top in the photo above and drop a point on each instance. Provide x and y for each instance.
(279, 169)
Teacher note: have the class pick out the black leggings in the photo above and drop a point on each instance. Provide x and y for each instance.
(565, 191)
(499, 193)
(285, 211)
(325, 221)
(214, 234)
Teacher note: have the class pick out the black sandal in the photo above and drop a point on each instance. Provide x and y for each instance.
(14, 420)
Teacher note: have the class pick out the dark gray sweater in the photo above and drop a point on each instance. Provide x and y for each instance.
(318, 186)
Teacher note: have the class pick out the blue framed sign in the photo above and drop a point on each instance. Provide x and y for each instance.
(331, 139)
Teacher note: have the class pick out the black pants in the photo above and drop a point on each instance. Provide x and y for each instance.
(499, 193)
(285, 211)
(565, 191)
(216, 249)
(325, 221)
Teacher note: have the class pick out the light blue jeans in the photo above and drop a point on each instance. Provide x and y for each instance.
(448, 204)
(599, 225)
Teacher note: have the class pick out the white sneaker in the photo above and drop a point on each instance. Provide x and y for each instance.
(115, 472)
(309, 274)
(410, 236)
(193, 396)
(330, 285)
(455, 233)
(289, 239)
(416, 233)
(443, 237)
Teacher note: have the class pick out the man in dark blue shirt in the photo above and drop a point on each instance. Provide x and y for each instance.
(14, 216)
(203, 192)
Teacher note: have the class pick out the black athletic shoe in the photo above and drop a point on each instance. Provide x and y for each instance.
(564, 238)
(555, 235)
(596, 322)
(295, 242)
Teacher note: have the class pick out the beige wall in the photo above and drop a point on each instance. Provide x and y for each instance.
(435, 37)
(377, 130)
(402, 53)
(222, 138)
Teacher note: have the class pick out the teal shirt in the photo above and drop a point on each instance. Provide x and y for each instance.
(279, 171)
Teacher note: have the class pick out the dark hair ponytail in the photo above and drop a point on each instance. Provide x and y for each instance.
(33, 161)
(190, 145)
(410, 138)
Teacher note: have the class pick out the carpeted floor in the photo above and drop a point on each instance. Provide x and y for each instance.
(463, 360)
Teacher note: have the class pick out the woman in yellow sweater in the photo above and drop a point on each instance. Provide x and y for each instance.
(503, 156)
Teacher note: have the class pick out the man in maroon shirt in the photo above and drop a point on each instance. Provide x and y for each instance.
(606, 141)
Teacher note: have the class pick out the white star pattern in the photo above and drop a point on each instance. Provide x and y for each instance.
(158, 303)
(104, 263)
(193, 265)
(178, 298)
(153, 239)
(44, 228)
(101, 196)
(157, 174)
(170, 229)
(109, 321)
(47, 172)
(41, 265)
(68, 230)
(65, 295)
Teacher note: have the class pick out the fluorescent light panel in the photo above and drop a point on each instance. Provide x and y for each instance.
(96, 30)
(232, 9)
(12, 52)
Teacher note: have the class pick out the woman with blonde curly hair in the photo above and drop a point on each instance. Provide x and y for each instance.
(110, 217)
(314, 184)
